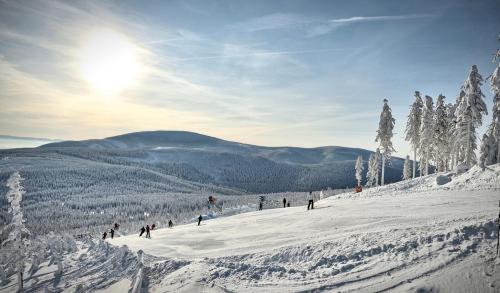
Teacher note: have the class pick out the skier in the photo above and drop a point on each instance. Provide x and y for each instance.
(104, 235)
(117, 226)
(153, 226)
(112, 233)
(199, 220)
(310, 204)
(147, 231)
(142, 231)
(170, 224)
(260, 206)
(284, 202)
(288, 204)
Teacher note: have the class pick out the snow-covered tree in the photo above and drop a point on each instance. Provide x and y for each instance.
(18, 240)
(407, 174)
(359, 169)
(493, 148)
(441, 132)
(450, 114)
(373, 169)
(384, 135)
(469, 115)
(426, 135)
(413, 127)
(487, 154)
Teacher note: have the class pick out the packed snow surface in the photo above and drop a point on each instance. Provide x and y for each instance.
(420, 235)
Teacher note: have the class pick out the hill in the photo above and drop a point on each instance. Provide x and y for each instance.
(408, 236)
(420, 235)
(206, 159)
(158, 175)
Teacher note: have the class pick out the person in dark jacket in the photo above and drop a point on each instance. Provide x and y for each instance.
(112, 233)
(199, 220)
(142, 231)
(310, 204)
(170, 224)
(147, 231)
(104, 235)
(284, 202)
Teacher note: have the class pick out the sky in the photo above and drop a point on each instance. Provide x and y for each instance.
(297, 73)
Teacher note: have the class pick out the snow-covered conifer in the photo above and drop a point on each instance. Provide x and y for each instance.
(441, 132)
(359, 169)
(493, 155)
(450, 113)
(384, 135)
(407, 174)
(17, 240)
(469, 115)
(426, 135)
(413, 127)
(373, 169)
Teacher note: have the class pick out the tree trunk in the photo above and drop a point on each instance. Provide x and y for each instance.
(427, 166)
(468, 145)
(414, 162)
(498, 150)
(383, 169)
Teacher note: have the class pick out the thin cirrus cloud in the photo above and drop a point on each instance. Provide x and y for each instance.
(311, 26)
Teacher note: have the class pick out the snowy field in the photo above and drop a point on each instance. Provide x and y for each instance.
(412, 236)
(402, 237)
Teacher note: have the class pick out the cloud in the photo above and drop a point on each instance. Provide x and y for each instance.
(271, 22)
(355, 19)
(310, 26)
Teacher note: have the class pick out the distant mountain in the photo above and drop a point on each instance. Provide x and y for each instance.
(209, 160)
(10, 141)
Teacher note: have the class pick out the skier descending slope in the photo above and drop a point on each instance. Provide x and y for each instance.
(112, 232)
(284, 202)
(104, 235)
(142, 231)
(147, 231)
(199, 220)
(310, 204)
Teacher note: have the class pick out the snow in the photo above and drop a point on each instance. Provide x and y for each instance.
(408, 236)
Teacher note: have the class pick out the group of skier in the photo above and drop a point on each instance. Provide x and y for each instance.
(116, 226)
(286, 203)
(148, 228)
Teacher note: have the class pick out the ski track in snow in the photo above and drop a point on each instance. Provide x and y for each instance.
(412, 236)
(380, 240)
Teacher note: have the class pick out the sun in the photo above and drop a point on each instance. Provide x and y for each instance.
(109, 62)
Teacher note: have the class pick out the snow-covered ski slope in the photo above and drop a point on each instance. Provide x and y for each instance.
(413, 236)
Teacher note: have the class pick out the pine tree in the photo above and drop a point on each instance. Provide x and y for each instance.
(407, 174)
(413, 127)
(18, 237)
(441, 131)
(373, 168)
(384, 135)
(427, 135)
(450, 114)
(359, 169)
(494, 128)
(469, 115)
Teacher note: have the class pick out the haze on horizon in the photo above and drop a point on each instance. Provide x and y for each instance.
(297, 73)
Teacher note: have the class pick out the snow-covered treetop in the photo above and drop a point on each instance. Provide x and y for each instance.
(472, 105)
(384, 132)
(414, 120)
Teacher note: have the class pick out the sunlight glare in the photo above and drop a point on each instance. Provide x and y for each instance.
(109, 62)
